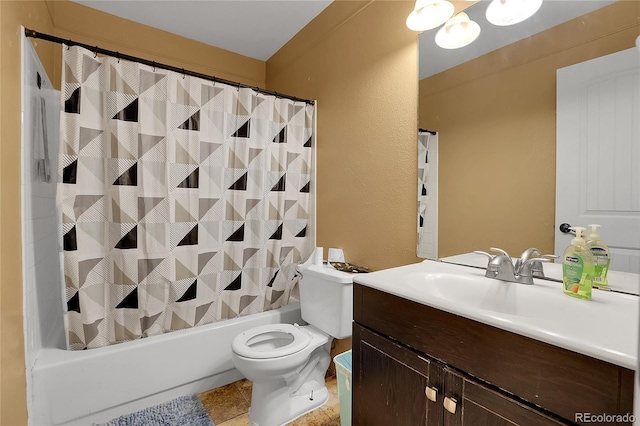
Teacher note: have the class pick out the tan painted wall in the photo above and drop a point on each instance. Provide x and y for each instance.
(68, 20)
(359, 61)
(496, 121)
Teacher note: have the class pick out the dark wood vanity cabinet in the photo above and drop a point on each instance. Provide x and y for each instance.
(416, 365)
(398, 386)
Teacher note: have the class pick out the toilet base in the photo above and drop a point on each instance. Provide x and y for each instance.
(297, 407)
(278, 402)
(290, 407)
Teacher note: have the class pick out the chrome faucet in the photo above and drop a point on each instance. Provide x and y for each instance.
(500, 266)
(535, 268)
(530, 253)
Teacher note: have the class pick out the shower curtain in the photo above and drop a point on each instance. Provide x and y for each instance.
(182, 201)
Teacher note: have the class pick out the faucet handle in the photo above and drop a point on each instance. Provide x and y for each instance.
(526, 255)
(536, 268)
(490, 256)
(550, 256)
(529, 253)
(499, 250)
(543, 258)
(532, 265)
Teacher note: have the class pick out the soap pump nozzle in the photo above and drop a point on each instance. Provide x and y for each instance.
(578, 240)
(594, 232)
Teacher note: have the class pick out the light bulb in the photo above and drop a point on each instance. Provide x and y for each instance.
(428, 14)
(457, 32)
(510, 12)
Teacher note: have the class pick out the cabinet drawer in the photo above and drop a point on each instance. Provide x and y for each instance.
(556, 379)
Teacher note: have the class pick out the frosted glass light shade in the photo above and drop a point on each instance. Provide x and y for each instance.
(457, 32)
(510, 12)
(428, 14)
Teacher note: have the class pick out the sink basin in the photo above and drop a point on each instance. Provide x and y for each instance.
(478, 292)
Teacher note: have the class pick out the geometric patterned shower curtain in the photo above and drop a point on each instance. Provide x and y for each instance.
(182, 201)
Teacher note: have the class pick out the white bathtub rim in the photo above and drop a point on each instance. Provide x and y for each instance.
(52, 355)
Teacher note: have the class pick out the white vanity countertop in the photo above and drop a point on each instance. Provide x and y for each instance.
(605, 327)
(625, 282)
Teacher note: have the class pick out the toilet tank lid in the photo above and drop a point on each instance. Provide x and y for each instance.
(327, 273)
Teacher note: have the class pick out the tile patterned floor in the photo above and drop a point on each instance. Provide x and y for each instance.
(229, 406)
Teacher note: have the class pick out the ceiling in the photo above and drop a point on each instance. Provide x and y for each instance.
(266, 25)
(254, 28)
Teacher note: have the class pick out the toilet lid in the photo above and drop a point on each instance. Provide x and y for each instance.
(271, 341)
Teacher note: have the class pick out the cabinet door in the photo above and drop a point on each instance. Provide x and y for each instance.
(393, 385)
(453, 398)
(487, 407)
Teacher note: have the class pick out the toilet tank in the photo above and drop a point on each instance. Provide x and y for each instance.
(326, 299)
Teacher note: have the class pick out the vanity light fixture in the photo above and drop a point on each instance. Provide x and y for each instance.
(509, 12)
(428, 14)
(457, 32)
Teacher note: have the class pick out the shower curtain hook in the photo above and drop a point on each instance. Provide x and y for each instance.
(154, 65)
(95, 55)
(183, 74)
(118, 56)
(69, 44)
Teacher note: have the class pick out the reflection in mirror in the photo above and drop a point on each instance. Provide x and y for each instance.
(494, 108)
(434, 59)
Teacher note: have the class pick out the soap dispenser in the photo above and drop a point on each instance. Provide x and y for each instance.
(601, 257)
(577, 267)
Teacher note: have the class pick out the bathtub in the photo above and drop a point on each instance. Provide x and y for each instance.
(96, 385)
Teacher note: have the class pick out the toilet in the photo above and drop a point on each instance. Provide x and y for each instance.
(287, 363)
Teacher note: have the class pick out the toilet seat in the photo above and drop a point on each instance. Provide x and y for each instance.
(271, 341)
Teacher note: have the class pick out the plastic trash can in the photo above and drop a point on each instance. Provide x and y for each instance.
(343, 372)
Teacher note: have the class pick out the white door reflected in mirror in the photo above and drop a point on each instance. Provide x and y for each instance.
(598, 153)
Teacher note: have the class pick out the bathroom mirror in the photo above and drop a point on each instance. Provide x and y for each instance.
(434, 59)
(495, 112)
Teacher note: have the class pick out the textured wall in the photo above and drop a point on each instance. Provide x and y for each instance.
(496, 119)
(359, 60)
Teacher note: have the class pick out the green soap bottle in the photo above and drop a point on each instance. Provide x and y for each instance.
(577, 267)
(601, 257)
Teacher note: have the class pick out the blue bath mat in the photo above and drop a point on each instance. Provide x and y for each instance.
(183, 411)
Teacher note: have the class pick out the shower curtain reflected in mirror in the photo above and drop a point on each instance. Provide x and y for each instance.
(182, 201)
(427, 246)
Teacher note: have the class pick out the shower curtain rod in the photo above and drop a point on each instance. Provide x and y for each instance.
(96, 50)
(428, 131)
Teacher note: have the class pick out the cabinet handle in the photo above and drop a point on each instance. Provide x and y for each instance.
(450, 404)
(432, 393)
